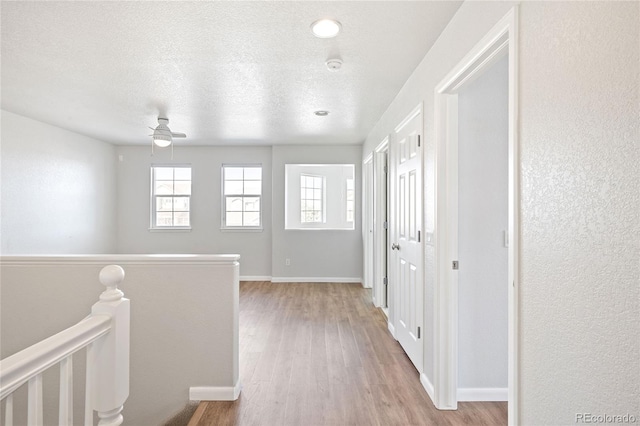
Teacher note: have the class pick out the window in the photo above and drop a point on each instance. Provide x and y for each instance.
(170, 197)
(311, 198)
(351, 200)
(241, 196)
(319, 196)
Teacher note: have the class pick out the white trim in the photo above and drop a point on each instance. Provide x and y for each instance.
(391, 328)
(255, 278)
(502, 37)
(384, 145)
(416, 111)
(242, 229)
(121, 259)
(223, 195)
(385, 311)
(215, 393)
(380, 212)
(316, 280)
(427, 385)
(171, 229)
(483, 394)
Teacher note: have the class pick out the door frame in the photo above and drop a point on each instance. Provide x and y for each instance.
(367, 222)
(500, 40)
(381, 211)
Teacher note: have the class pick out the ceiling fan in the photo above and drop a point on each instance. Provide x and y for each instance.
(163, 136)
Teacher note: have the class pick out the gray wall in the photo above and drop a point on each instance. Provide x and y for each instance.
(206, 237)
(58, 190)
(483, 133)
(313, 253)
(580, 259)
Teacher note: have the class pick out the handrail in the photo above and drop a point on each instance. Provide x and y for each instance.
(105, 334)
(22, 366)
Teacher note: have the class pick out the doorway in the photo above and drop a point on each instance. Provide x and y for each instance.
(482, 152)
(454, 289)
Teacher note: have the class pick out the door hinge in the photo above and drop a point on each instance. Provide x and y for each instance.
(418, 236)
(455, 265)
(386, 225)
(385, 281)
(418, 332)
(418, 140)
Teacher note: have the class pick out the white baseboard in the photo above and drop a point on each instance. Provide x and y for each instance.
(428, 386)
(483, 394)
(392, 329)
(255, 278)
(315, 280)
(215, 393)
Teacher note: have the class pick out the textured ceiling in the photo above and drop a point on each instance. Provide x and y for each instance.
(224, 72)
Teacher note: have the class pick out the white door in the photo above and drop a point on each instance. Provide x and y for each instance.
(406, 252)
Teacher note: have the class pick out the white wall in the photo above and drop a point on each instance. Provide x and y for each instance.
(483, 131)
(315, 253)
(206, 235)
(579, 108)
(58, 190)
(580, 142)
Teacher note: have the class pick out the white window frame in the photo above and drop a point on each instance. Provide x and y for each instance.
(322, 199)
(153, 209)
(223, 203)
(350, 200)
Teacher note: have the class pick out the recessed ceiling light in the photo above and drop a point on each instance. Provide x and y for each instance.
(326, 28)
(321, 113)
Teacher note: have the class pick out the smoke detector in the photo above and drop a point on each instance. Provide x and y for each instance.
(334, 64)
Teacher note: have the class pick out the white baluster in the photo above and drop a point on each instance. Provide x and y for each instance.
(8, 411)
(34, 410)
(65, 413)
(111, 369)
(111, 417)
(88, 405)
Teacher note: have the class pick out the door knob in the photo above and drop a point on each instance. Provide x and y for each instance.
(395, 246)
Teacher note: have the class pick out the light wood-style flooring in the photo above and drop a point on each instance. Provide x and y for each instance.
(321, 354)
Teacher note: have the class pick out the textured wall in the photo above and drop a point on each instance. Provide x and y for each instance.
(579, 110)
(58, 190)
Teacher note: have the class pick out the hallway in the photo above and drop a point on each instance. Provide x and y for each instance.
(320, 354)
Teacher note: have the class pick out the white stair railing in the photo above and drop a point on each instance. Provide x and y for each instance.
(105, 334)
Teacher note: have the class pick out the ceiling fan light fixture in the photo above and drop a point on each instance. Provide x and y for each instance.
(162, 141)
(326, 28)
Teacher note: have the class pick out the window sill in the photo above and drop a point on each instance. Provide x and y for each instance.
(240, 229)
(185, 229)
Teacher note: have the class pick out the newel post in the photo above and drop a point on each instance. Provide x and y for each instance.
(110, 354)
